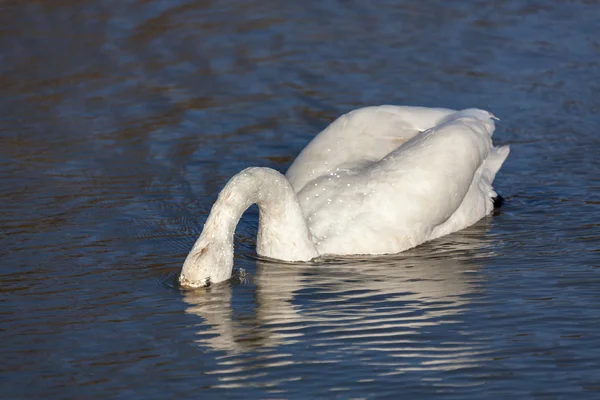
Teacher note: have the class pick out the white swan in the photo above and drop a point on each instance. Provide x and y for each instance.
(378, 180)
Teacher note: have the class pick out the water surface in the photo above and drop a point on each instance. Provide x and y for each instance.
(121, 120)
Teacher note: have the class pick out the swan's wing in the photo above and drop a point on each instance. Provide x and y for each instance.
(397, 203)
(359, 138)
(494, 162)
(479, 200)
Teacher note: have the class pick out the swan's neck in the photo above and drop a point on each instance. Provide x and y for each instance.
(282, 232)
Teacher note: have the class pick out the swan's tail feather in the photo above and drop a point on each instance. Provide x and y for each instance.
(494, 161)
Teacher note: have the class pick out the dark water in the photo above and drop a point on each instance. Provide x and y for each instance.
(121, 120)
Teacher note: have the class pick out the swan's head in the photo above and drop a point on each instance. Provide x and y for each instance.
(206, 264)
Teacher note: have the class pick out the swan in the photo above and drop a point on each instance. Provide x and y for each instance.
(378, 180)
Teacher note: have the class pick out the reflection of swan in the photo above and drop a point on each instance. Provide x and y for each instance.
(379, 180)
(378, 301)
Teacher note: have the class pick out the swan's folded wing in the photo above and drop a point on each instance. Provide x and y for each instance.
(361, 137)
(436, 168)
(406, 195)
(494, 162)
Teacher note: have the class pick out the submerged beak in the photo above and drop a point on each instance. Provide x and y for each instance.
(183, 281)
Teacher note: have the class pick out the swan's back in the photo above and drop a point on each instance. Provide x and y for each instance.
(435, 183)
(361, 137)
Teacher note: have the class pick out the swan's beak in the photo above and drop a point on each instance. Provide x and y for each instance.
(494, 117)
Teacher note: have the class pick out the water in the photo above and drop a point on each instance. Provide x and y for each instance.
(121, 120)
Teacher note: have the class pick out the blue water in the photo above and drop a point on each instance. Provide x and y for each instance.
(120, 121)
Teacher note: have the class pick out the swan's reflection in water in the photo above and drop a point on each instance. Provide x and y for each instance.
(397, 313)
